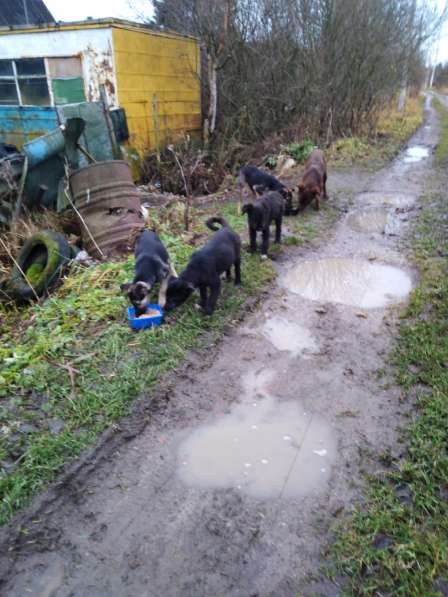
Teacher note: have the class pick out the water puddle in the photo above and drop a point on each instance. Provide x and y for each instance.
(287, 335)
(368, 220)
(415, 154)
(349, 282)
(264, 447)
(401, 200)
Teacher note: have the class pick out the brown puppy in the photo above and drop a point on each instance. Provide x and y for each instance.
(314, 180)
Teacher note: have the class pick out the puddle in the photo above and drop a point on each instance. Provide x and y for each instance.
(258, 384)
(374, 220)
(287, 335)
(368, 220)
(392, 199)
(415, 154)
(349, 282)
(266, 449)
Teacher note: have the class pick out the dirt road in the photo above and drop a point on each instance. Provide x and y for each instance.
(231, 488)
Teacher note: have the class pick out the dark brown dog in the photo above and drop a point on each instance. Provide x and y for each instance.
(314, 180)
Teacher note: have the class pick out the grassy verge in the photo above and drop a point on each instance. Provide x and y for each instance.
(394, 128)
(442, 148)
(71, 367)
(398, 543)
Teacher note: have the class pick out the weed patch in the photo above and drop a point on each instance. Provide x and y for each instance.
(393, 129)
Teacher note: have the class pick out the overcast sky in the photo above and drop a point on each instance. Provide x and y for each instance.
(77, 10)
(138, 10)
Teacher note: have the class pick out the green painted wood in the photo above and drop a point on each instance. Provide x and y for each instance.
(68, 91)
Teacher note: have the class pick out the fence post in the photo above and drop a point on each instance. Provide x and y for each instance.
(156, 126)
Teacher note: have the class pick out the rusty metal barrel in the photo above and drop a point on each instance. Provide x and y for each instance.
(105, 195)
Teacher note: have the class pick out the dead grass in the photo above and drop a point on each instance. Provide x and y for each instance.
(393, 129)
(24, 227)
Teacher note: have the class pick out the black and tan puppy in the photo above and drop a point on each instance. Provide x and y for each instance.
(205, 268)
(152, 265)
(267, 209)
(259, 182)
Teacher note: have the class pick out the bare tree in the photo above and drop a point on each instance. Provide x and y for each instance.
(313, 67)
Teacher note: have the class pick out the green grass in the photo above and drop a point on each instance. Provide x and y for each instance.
(397, 543)
(442, 148)
(77, 362)
(71, 367)
(310, 224)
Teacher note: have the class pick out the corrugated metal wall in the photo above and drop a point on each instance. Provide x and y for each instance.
(147, 64)
(19, 124)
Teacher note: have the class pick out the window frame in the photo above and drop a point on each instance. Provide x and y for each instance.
(47, 76)
(12, 77)
(16, 78)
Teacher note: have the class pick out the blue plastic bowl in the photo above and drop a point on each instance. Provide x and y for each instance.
(138, 323)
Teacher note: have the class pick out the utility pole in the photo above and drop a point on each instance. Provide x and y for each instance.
(25, 12)
(434, 66)
(436, 56)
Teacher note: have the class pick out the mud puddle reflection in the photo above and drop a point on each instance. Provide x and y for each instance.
(264, 447)
(368, 220)
(349, 282)
(415, 154)
(287, 335)
(374, 198)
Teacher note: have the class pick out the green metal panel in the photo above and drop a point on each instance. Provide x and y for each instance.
(68, 91)
(95, 138)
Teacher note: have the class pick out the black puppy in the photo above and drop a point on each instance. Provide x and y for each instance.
(152, 265)
(267, 209)
(205, 268)
(259, 181)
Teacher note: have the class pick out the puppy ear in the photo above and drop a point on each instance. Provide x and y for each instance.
(315, 191)
(301, 186)
(125, 287)
(143, 285)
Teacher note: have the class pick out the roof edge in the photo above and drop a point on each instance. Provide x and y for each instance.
(92, 24)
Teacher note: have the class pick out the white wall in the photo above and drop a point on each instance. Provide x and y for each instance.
(93, 45)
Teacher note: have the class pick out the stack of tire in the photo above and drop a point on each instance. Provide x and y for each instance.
(43, 259)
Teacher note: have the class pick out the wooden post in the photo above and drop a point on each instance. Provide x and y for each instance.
(115, 149)
(155, 116)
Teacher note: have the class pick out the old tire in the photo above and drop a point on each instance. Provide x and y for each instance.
(42, 258)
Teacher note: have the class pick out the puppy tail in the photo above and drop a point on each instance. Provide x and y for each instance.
(211, 223)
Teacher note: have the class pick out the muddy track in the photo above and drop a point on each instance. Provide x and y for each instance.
(231, 487)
